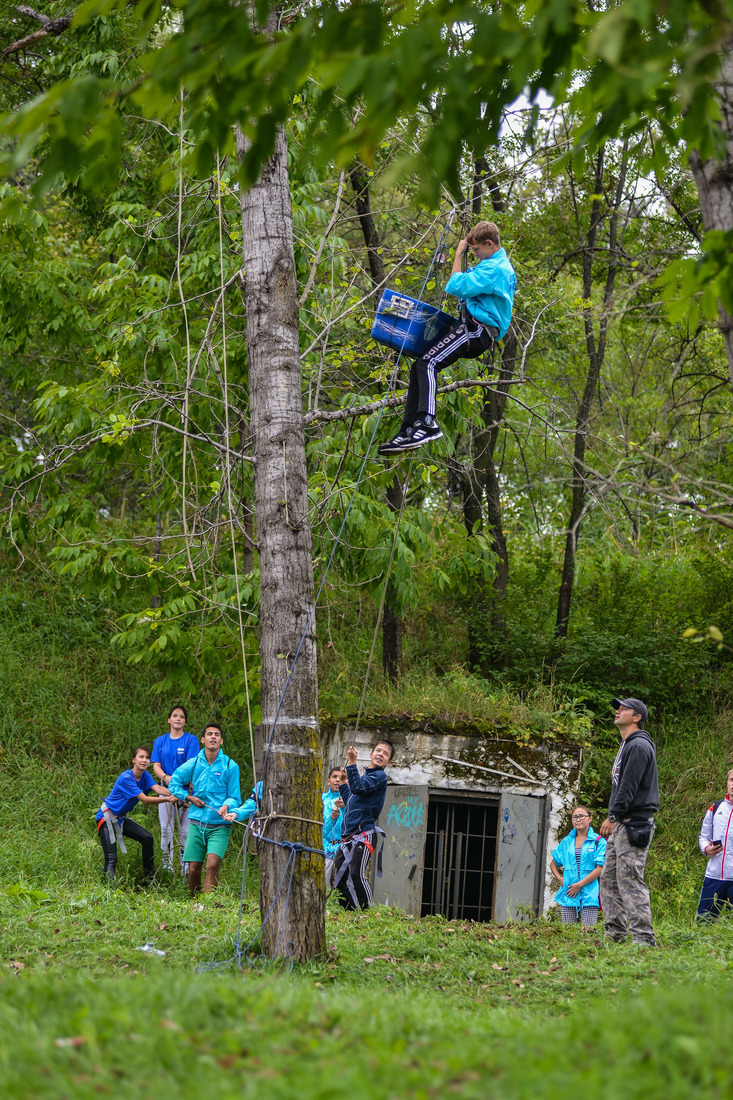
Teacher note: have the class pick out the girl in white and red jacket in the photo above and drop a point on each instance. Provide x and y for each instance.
(716, 842)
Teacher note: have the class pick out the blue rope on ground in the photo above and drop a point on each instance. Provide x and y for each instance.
(239, 955)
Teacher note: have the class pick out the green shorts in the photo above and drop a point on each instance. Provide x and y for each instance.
(203, 839)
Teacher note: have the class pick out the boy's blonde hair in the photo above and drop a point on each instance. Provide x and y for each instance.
(483, 232)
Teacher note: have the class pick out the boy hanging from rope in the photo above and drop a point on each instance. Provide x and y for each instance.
(486, 293)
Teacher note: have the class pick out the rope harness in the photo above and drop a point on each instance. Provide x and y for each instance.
(114, 829)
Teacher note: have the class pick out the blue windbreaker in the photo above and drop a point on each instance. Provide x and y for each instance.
(592, 855)
(245, 811)
(487, 290)
(331, 829)
(217, 784)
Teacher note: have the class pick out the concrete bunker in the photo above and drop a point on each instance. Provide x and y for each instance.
(469, 821)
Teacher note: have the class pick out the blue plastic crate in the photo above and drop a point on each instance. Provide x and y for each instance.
(408, 325)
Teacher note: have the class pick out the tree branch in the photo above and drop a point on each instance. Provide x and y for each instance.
(38, 15)
(51, 28)
(396, 399)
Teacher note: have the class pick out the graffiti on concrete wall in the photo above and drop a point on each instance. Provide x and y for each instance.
(410, 813)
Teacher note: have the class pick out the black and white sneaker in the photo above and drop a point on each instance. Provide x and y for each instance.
(425, 430)
(398, 443)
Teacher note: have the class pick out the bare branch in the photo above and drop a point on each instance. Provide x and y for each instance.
(395, 400)
(38, 15)
(51, 28)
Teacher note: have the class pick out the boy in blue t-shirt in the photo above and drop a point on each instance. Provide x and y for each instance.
(486, 294)
(170, 751)
(113, 823)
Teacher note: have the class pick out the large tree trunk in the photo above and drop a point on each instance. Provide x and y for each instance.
(714, 181)
(292, 774)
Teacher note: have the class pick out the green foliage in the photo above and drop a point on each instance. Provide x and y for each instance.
(693, 287)
(450, 1006)
(616, 66)
(469, 999)
(71, 706)
(626, 635)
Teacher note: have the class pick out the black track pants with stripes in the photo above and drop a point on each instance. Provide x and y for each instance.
(354, 889)
(468, 341)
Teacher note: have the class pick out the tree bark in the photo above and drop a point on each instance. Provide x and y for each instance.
(714, 182)
(292, 774)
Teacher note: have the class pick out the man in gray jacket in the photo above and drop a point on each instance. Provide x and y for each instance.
(629, 827)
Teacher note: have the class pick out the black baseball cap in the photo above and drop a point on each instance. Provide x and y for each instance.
(635, 704)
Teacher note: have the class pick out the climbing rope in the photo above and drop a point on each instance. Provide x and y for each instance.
(437, 251)
(294, 849)
(230, 505)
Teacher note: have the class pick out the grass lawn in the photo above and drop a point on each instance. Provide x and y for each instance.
(400, 1008)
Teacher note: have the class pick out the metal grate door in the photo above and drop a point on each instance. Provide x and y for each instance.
(460, 857)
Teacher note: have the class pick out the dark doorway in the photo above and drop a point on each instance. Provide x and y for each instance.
(460, 857)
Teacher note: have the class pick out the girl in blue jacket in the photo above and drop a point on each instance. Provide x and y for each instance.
(577, 863)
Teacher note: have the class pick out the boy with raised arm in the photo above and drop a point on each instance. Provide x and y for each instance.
(364, 798)
(214, 782)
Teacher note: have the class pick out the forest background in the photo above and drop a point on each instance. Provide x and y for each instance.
(568, 540)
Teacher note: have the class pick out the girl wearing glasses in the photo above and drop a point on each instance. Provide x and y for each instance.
(577, 863)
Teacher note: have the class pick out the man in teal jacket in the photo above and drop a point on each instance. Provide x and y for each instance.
(214, 782)
(486, 293)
